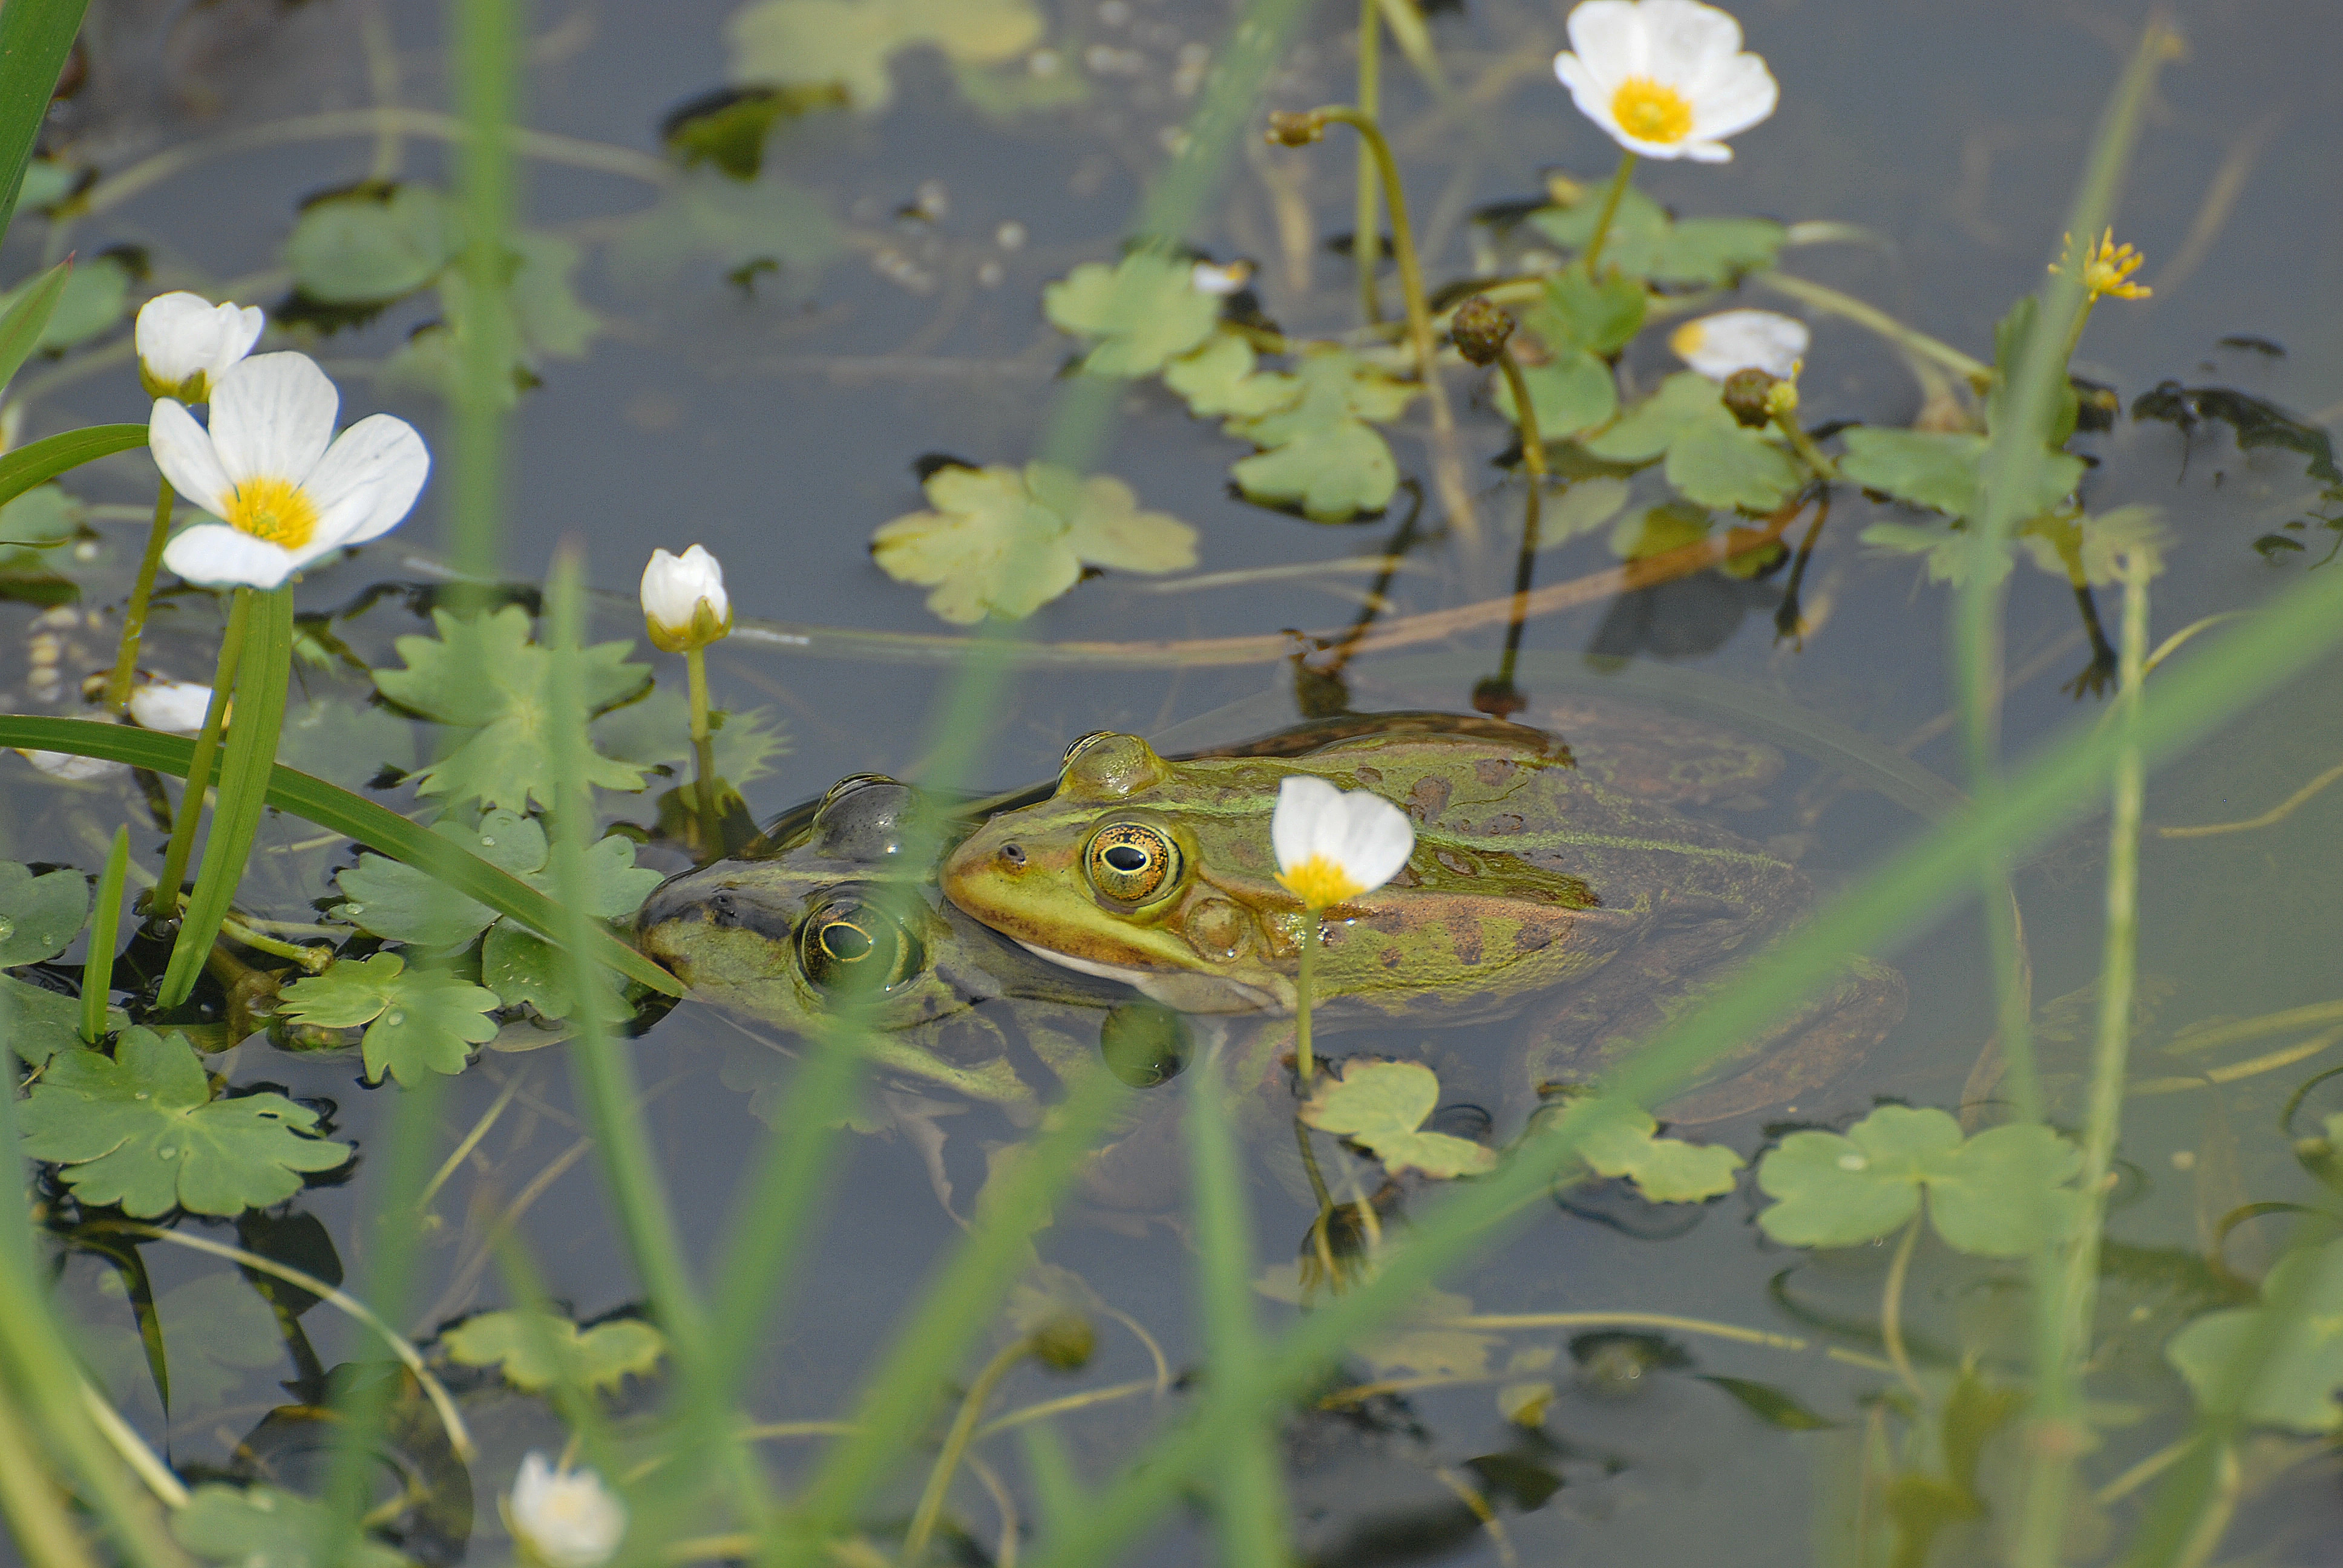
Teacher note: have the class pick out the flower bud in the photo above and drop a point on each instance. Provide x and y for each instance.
(684, 603)
(563, 1518)
(184, 343)
(1064, 1344)
(1749, 393)
(1479, 329)
(1293, 128)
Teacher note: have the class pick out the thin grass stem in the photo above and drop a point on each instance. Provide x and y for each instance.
(165, 906)
(971, 1406)
(141, 592)
(1366, 213)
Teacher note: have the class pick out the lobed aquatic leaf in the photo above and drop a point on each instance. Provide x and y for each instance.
(417, 1020)
(1381, 1106)
(1142, 312)
(535, 1348)
(396, 901)
(848, 43)
(2000, 1194)
(263, 1527)
(39, 916)
(1664, 1169)
(141, 1128)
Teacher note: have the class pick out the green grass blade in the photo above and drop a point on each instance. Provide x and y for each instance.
(262, 676)
(2063, 783)
(36, 37)
(21, 329)
(484, 54)
(45, 460)
(104, 922)
(354, 817)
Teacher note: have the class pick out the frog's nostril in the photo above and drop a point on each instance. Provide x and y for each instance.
(724, 909)
(1012, 855)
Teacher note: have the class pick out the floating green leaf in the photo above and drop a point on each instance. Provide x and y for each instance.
(142, 1129)
(417, 1021)
(1999, 1195)
(522, 967)
(262, 1527)
(1004, 541)
(372, 243)
(39, 916)
(1939, 469)
(93, 297)
(1717, 463)
(1577, 312)
(1573, 393)
(2303, 1359)
(1642, 242)
(1623, 1143)
(1319, 453)
(848, 43)
(1656, 530)
(400, 903)
(1142, 312)
(657, 730)
(1222, 379)
(483, 673)
(728, 128)
(41, 1022)
(534, 1347)
(1647, 429)
(744, 227)
(1382, 1105)
(345, 743)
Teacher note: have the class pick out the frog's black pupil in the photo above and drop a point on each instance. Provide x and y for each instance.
(846, 941)
(1126, 858)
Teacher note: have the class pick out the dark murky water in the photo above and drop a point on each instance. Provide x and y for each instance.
(779, 425)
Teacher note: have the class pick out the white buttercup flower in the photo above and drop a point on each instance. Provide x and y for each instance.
(287, 488)
(1331, 846)
(185, 343)
(563, 1518)
(1717, 345)
(71, 767)
(1664, 78)
(684, 602)
(174, 707)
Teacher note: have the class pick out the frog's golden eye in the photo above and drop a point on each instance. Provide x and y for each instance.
(845, 942)
(1131, 862)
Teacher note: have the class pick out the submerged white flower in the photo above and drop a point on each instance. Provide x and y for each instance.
(175, 707)
(1717, 345)
(1664, 78)
(71, 767)
(563, 1518)
(684, 602)
(1332, 846)
(185, 343)
(1220, 279)
(287, 488)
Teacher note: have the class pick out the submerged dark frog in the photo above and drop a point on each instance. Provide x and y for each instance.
(1532, 886)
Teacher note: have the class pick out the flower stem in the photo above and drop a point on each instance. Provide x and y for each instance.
(1301, 996)
(1804, 444)
(133, 617)
(932, 1501)
(164, 905)
(1891, 1309)
(703, 746)
(1534, 461)
(1366, 231)
(1610, 210)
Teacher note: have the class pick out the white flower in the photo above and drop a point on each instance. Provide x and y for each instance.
(1717, 345)
(1220, 279)
(684, 602)
(1332, 846)
(185, 343)
(175, 707)
(289, 490)
(1666, 78)
(563, 1518)
(71, 767)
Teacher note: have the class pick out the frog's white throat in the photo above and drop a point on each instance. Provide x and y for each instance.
(1183, 993)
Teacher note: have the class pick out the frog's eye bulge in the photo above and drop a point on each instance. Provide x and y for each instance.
(845, 942)
(1131, 862)
(1109, 767)
(1084, 742)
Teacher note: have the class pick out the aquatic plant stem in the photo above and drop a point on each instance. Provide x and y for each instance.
(1448, 472)
(134, 615)
(1891, 1309)
(1526, 564)
(1366, 226)
(2059, 1433)
(971, 1406)
(1618, 189)
(164, 905)
(1786, 421)
(1302, 1065)
(703, 751)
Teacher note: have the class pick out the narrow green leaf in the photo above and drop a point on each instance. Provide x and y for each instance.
(266, 671)
(98, 970)
(42, 460)
(1771, 1405)
(21, 329)
(353, 816)
(34, 40)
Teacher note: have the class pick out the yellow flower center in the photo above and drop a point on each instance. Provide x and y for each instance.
(276, 510)
(1651, 111)
(1319, 881)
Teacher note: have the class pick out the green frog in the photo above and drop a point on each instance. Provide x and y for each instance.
(1533, 886)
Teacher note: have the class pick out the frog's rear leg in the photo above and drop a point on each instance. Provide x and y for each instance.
(1837, 1030)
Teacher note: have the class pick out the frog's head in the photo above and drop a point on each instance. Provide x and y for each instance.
(836, 909)
(1108, 876)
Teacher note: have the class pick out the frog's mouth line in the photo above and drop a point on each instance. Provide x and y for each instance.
(1174, 991)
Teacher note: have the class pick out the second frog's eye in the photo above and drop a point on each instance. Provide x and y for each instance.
(848, 945)
(1083, 743)
(1131, 862)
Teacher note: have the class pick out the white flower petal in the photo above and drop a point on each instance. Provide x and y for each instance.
(380, 456)
(71, 766)
(217, 556)
(1685, 39)
(1377, 839)
(272, 416)
(1717, 345)
(1303, 802)
(175, 707)
(564, 1519)
(184, 452)
(1742, 93)
(1609, 37)
(1682, 46)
